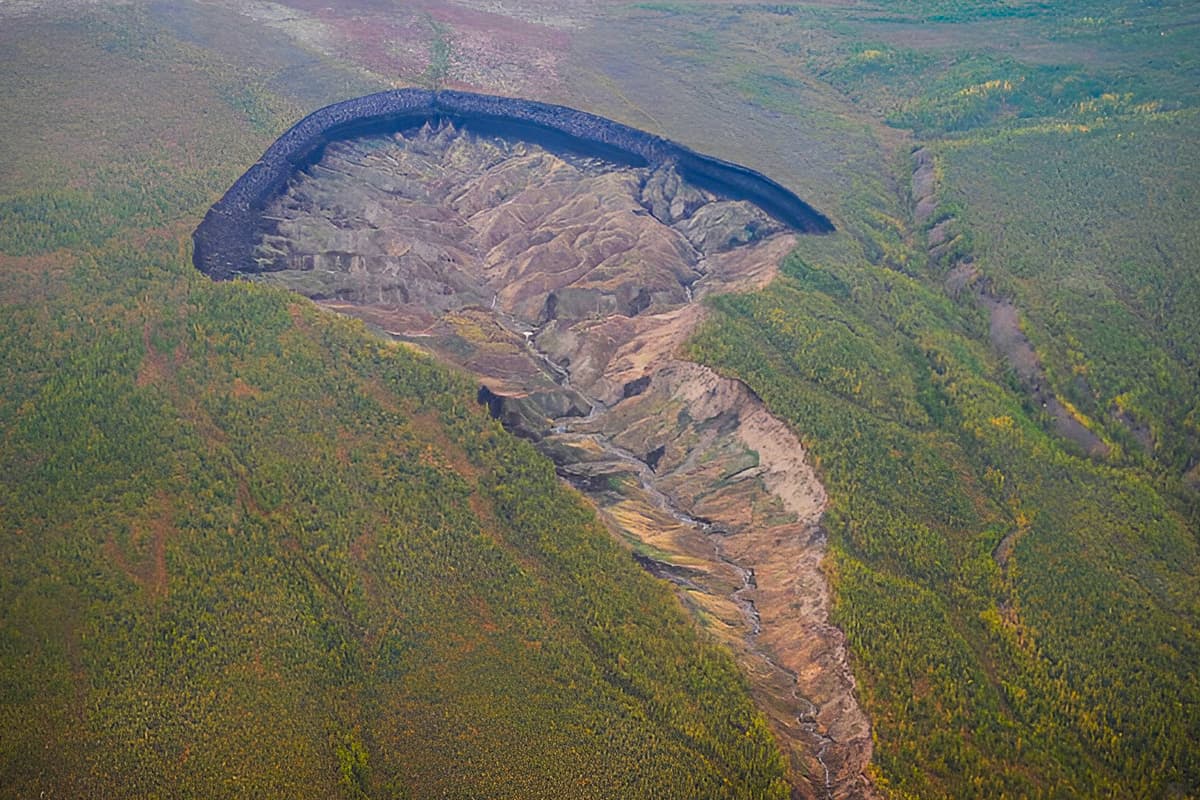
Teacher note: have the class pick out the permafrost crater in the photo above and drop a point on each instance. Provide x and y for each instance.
(560, 257)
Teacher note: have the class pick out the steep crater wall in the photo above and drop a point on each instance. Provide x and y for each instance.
(226, 239)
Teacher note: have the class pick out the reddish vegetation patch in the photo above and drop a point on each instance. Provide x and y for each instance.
(392, 47)
(387, 400)
(343, 454)
(488, 50)
(193, 412)
(242, 390)
(505, 32)
(33, 279)
(430, 430)
(362, 545)
(483, 612)
(157, 369)
(246, 500)
(361, 549)
(144, 557)
(345, 6)
(155, 365)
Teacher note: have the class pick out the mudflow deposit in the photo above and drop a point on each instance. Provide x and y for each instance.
(568, 284)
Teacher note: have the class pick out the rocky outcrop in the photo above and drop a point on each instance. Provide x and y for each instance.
(231, 230)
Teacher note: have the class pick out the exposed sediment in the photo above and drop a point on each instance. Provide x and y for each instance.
(226, 239)
(568, 283)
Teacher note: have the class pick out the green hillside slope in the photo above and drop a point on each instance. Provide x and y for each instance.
(249, 550)
(1023, 618)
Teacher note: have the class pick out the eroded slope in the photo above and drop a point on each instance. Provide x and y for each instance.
(567, 286)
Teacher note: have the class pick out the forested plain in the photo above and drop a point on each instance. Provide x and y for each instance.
(189, 469)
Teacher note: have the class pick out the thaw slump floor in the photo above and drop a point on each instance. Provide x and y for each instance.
(568, 286)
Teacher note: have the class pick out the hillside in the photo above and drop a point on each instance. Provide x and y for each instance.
(250, 550)
(986, 380)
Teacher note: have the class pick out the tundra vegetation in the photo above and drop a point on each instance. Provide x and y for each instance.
(187, 599)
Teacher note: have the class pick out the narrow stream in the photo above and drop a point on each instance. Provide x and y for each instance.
(564, 430)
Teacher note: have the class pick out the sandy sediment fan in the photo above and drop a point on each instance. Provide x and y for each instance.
(225, 240)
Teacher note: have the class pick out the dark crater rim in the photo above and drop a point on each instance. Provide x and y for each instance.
(231, 230)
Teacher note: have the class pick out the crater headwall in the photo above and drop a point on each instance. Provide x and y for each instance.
(226, 238)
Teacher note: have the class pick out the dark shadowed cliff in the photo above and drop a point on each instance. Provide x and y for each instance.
(226, 238)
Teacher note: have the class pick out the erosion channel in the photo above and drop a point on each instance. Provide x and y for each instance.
(568, 284)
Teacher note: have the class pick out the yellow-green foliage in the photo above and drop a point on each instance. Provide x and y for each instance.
(1068, 669)
(248, 549)
(1101, 258)
(1023, 620)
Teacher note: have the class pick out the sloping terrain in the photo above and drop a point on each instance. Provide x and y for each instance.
(250, 550)
(1021, 617)
(567, 285)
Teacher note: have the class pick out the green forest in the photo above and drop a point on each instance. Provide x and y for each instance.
(249, 548)
(1023, 616)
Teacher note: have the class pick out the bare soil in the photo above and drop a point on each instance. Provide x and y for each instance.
(568, 286)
